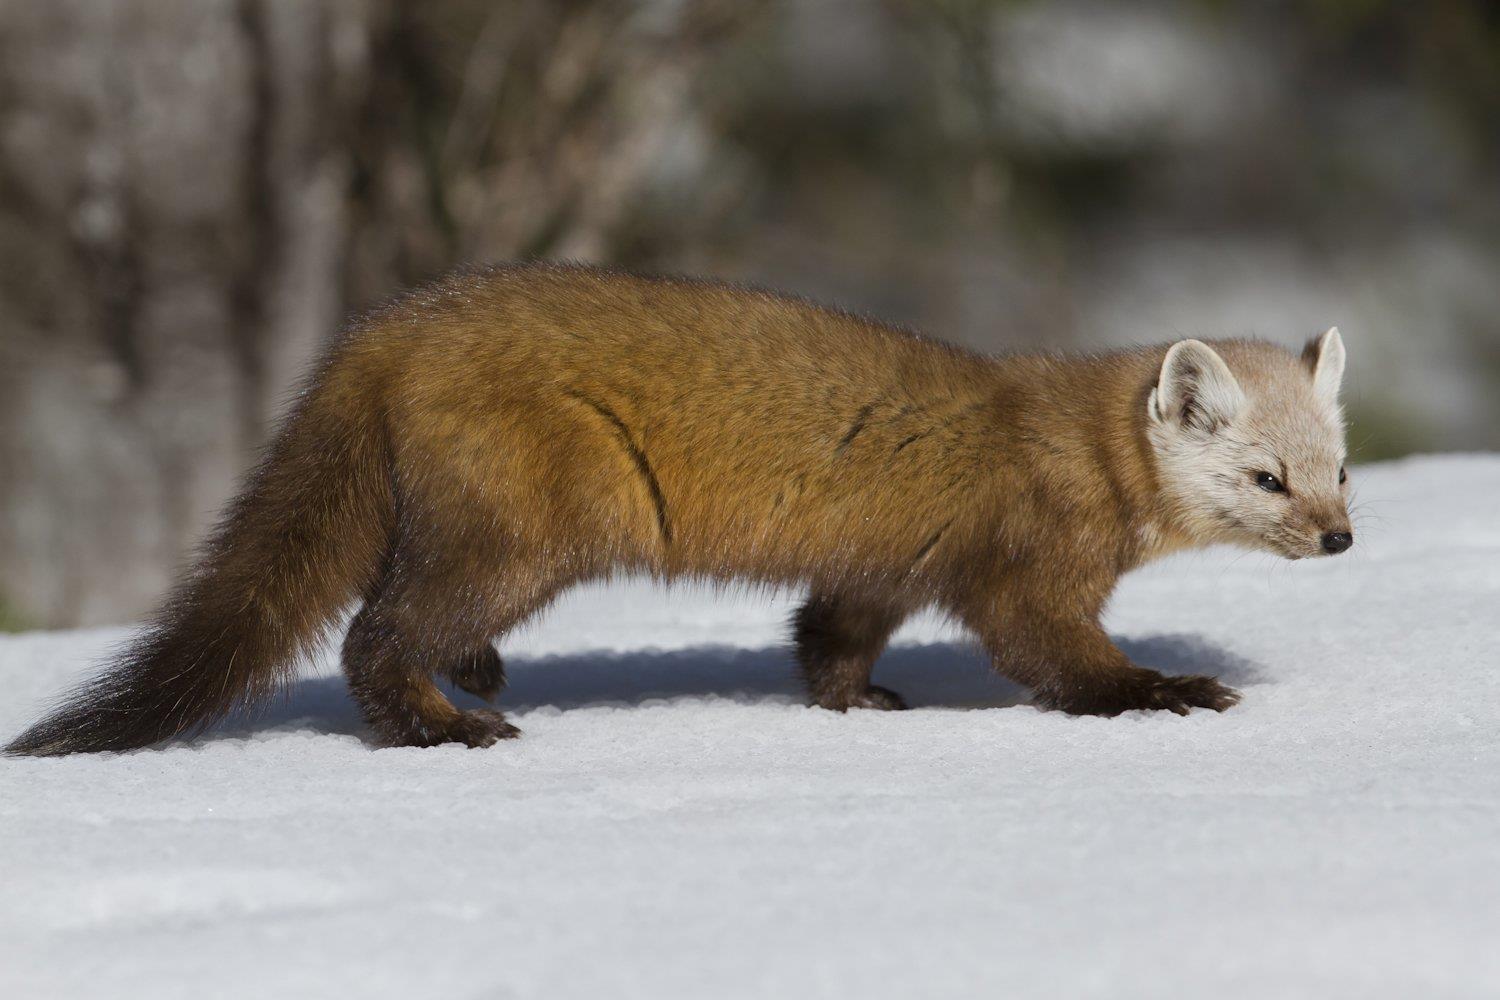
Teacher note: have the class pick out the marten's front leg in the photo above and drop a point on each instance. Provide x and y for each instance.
(1059, 650)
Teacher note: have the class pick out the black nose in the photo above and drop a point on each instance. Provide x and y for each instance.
(1335, 542)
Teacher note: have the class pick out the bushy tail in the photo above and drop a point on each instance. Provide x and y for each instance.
(307, 533)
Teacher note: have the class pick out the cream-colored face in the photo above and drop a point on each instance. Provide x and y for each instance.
(1254, 460)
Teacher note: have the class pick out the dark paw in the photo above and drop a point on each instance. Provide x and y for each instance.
(881, 698)
(874, 696)
(1182, 694)
(1148, 691)
(482, 727)
(481, 673)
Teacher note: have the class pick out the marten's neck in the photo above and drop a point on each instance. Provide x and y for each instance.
(1083, 423)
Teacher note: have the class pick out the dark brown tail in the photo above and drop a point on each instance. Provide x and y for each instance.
(307, 534)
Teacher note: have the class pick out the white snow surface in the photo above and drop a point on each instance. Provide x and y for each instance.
(674, 823)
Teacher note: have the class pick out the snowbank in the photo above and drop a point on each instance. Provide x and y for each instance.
(675, 823)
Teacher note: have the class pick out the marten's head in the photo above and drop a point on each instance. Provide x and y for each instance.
(1249, 444)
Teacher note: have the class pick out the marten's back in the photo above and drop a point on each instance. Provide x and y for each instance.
(697, 427)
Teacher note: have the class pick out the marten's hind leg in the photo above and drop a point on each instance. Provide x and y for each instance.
(481, 673)
(433, 610)
(838, 639)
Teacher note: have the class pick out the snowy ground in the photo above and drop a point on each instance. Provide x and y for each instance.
(675, 824)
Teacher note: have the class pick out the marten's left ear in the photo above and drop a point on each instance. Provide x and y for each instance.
(1195, 389)
(1324, 357)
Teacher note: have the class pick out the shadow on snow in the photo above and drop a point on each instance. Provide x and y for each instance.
(946, 675)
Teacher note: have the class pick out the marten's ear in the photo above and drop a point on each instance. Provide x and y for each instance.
(1324, 357)
(1195, 389)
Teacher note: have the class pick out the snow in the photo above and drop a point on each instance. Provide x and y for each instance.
(675, 824)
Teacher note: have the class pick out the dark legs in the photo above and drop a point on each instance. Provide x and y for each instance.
(390, 670)
(838, 639)
(437, 615)
(1068, 660)
(481, 673)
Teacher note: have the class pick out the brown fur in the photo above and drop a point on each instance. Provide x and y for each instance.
(480, 445)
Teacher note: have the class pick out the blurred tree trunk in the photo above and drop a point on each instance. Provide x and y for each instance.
(171, 247)
(192, 193)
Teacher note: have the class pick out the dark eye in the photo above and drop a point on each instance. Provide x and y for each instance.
(1269, 483)
(1343, 476)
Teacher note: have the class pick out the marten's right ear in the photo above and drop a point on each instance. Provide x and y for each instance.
(1195, 389)
(1324, 357)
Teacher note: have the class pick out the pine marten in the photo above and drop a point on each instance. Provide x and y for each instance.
(468, 452)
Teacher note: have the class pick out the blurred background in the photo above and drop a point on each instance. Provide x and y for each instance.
(195, 193)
